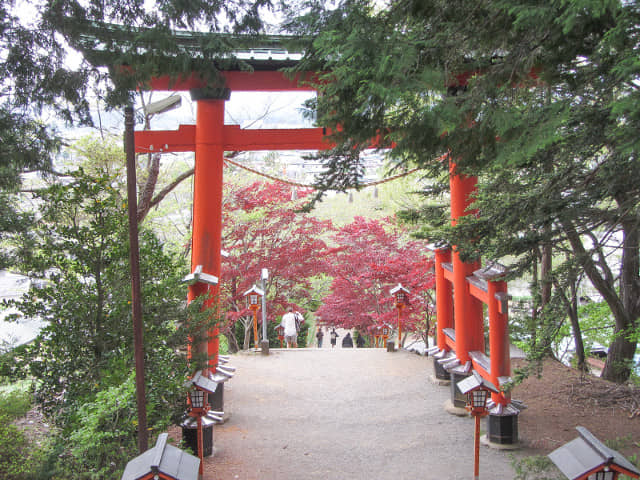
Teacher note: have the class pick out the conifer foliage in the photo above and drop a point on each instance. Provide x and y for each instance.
(539, 99)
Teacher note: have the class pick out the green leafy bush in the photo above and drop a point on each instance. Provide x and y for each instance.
(105, 438)
(15, 403)
(13, 451)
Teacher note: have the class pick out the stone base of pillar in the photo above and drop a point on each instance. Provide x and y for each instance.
(190, 435)
(264, 346)
(216, 399)
(502, 430)
(438, 381)
(216, 402)
(440, 372)
(458, 399)
(453, 410)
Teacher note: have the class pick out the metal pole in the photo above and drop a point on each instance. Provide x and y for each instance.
(263, 277)
(476, 446)
(134, 262)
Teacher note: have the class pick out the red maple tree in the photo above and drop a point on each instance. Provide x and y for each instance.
(263, 228)
(369, 259)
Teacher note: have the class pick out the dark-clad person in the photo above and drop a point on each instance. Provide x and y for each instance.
(334, 337)
(319, 337)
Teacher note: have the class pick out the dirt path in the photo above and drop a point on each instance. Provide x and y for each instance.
(343, 414)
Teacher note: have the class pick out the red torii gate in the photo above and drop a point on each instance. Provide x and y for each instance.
(209, 138)
(461, 288)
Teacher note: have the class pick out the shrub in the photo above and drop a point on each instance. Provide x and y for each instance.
(15, 403)
(14, 451)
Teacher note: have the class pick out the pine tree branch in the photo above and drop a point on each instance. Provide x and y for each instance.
(605, 288)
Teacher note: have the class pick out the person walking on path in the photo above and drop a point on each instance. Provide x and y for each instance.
(359, 340)
(290, 324)
(319, 337)
(334, 337)
(347, 341)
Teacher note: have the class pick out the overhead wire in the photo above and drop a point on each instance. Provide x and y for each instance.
(303, 185)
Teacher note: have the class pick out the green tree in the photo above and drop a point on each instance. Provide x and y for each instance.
(538, 99)
(41, 78)
(34, 80)
(79, 250)
(82, 360)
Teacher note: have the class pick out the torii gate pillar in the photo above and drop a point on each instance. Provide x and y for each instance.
(207, 207)
(469, 324)
(461, 324)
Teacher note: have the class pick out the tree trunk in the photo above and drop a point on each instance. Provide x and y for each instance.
(533, 324)
(544, 339)
(545, 275)
(144, 203)
(247, 333)
(575, 327)
(232, 343)
(623, 348)
(617, 368)
(571, 306)
(624, 306)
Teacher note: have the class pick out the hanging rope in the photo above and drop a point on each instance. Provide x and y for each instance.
(302, 185)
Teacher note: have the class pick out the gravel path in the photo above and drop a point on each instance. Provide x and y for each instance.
(343, 414)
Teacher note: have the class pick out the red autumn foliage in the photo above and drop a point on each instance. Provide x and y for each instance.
(369, 259)
(263, 229)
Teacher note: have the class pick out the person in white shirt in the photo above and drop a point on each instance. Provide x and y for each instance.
(290, 328)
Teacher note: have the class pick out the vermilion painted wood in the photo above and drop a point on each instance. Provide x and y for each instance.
(467, 310)
(239, 81)
(234, 139)
(210, 138)
(206, 240)
(444, 295)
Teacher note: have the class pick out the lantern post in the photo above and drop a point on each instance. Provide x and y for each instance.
(253, 295)
(477, 390)
(201, 386)
(376, 331)
(385, 334)
(401, 293)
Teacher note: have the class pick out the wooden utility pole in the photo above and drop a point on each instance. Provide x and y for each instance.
(134, 262)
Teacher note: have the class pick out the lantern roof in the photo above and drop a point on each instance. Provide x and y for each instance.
(474, 382)
(163, 461)
(199, 276)
(203, 382)
(254, 289)
(399, 288)
(586, 455)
